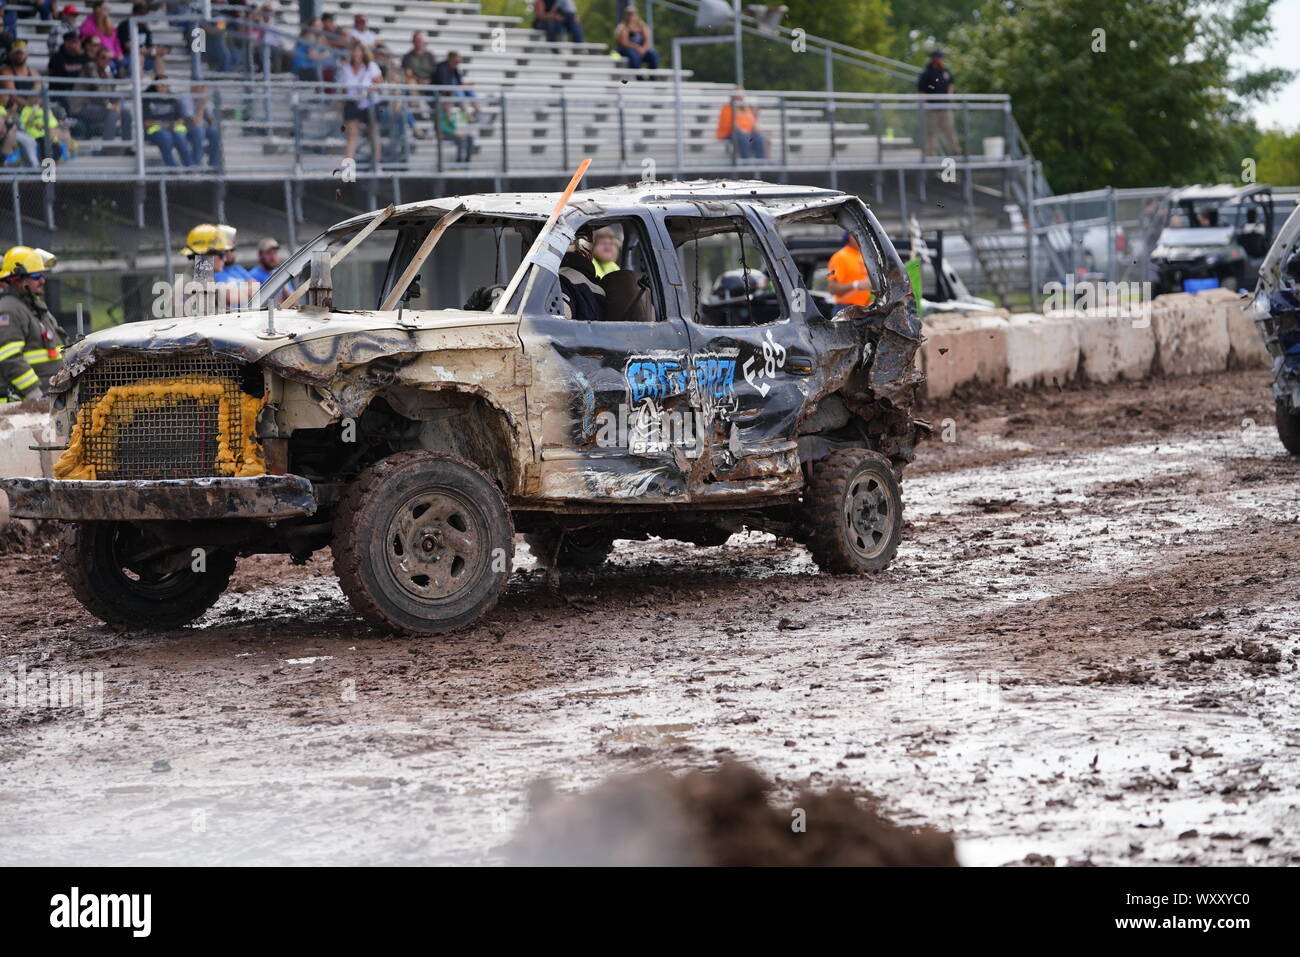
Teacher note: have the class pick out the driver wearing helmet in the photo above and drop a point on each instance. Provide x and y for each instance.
(31, 339)
(584, 297)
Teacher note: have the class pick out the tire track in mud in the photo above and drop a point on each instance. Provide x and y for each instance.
(1043, 671)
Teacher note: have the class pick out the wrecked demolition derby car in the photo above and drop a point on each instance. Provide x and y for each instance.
(1277, 314)
(372, 413)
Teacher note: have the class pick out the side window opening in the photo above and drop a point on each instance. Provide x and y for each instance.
(625, 270)
(730, 281)
(822, 244)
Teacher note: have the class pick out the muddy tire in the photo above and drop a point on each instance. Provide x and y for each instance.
(423, 543)
(1288, 428)
(100, 563)
(579, 549)
(853, 510)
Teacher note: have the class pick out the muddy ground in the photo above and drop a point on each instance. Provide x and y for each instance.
(1085, 651)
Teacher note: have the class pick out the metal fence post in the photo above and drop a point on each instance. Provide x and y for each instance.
(622, 132)
(290, 220)
(166, 230)
(46, 117)
(505, 136)
(18, 210)
(217, 114)
(564, 129)
(295, 108)
(1031, 236)
(1110, 234)
(137, 96)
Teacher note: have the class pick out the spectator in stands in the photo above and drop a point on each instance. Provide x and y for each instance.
(270, 44)
(95, 117)
(101, 68)
(936, 80)
(454, 124)
(738, 123)
(449, 73)
(139, 10)
(16, 145)
(68, 61)
(393, 108)
(99, 25)
(200, 130)
(19, 83)
(357, 77)
(162, 116)
(419, 64)
(65, 19)
(635, 41)
(846, 275)
(312, 59)
(362, 33)
(223, 43)
(554, 17)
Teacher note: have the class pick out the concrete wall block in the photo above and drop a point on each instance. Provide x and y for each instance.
(963, 349)
(1191, 334)
(1041, 350)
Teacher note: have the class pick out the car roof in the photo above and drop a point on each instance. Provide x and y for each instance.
(1221, 191)
(627, 198)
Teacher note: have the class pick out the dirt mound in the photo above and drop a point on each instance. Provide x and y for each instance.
(718, 818)
(18, 536)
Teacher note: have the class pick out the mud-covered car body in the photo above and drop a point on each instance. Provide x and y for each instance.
(243, 430)
(1277, 314)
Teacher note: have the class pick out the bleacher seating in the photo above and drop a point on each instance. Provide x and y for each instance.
(500, 53)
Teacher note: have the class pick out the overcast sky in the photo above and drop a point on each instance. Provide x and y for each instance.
(1283, 109)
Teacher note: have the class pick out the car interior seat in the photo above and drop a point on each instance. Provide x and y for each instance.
(627, 297)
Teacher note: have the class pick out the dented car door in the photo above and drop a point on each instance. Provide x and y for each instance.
(605, 400)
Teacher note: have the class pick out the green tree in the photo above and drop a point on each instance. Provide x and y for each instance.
(1278, 153)
(1123, 92)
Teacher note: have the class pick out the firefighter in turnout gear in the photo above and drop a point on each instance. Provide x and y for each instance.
(31, 339)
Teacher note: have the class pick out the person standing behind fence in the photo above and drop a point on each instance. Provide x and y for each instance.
(738, 123)
(936, 80)
(634, 40)
(357, 77)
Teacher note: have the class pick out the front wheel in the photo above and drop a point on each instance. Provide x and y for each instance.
(853, 511)
(1288, 427)
(423, 543)
(126, 578)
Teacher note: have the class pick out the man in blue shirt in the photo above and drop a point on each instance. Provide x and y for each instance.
(268, 259)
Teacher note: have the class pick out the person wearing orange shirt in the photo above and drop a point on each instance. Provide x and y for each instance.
(738, 123)
(846, 275)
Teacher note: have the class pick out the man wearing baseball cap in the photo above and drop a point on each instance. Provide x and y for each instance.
(268, 258)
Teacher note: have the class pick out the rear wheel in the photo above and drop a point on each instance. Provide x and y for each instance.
(1288, 428)
(125, 577)
(423, 543)
(854, 512)
(570, 548)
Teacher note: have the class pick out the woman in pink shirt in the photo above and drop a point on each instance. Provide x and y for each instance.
(98, 24)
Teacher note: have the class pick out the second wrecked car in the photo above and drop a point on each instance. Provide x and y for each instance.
(423, 395)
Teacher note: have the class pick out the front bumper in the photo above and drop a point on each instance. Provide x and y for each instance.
(266, 497)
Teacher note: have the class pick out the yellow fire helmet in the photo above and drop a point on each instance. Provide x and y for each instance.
(21, 261)
(204, 239)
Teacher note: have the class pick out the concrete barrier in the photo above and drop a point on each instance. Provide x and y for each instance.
(1245, 345)
(18, 432)
(963, 349)
(1191, 334)
(1113, 348)
(1041, 350)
